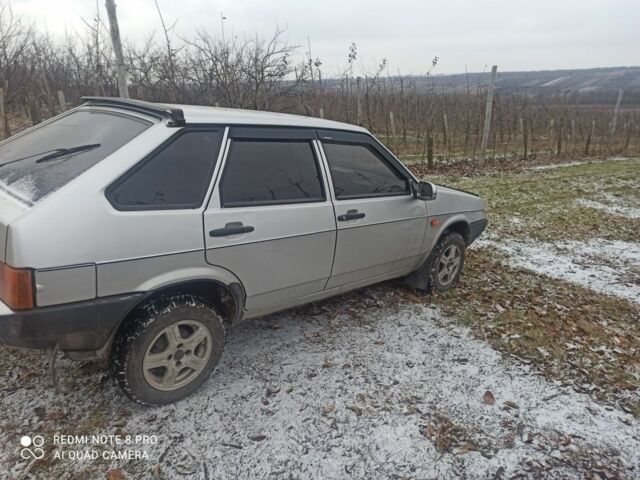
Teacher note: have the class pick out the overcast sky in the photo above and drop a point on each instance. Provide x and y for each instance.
(514, 34)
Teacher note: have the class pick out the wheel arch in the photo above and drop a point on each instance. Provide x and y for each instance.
(228, 300)
(419, 278)
(459, 224)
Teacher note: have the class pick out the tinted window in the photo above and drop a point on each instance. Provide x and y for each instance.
(358, 171)
(35, 164)
(268, 172)
(175, 177)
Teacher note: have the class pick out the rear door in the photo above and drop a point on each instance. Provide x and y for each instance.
(270, 220)
(380, 225)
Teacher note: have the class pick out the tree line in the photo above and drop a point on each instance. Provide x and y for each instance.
(42, 75)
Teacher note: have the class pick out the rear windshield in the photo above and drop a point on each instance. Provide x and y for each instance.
(38, 163)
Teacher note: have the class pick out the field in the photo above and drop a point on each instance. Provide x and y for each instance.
(529, 368)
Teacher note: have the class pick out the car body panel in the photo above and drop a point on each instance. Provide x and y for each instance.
(387, 239)
(153, 273)
(65, 285)
(288, 254)
(10, 210)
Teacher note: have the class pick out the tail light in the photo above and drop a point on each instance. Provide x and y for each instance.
(16, 287)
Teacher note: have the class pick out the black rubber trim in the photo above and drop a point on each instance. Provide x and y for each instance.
(174, 115)
(476, 229)
(271, 133)
(83, 325)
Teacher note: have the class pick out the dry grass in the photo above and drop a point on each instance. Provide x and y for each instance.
(571, 334)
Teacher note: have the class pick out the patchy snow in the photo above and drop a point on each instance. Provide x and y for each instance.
(610, 267)
(24, 188)
(613, 206)
(553, 166)
(362, 388)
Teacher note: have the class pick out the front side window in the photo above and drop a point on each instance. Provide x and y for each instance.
(357, 171)
(43, 160)
(267, 172)
(175, 177)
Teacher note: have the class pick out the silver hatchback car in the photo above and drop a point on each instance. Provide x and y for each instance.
(139, 231)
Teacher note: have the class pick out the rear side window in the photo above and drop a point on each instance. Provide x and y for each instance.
(357, 171)
(267, 172)
(39, 162)
(176, 176)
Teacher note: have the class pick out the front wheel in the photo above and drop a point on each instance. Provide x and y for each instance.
(447, 263)
(168, 349)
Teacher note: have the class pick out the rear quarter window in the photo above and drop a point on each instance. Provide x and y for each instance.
(35, 164)
(176, 176)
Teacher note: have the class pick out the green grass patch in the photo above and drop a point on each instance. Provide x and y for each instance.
(542, 204)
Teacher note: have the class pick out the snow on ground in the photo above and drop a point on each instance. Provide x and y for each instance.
(610, 267)
(612, 206)
(331, 395)
(553, 166)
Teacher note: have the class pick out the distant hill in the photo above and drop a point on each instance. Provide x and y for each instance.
(586, 86)
(590, 80)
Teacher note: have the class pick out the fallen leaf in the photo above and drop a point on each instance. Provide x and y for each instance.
(355, 409)
(115, 474)
(511, 404)
(55, 416)
(327, 409)
(257, 438)
(488, 398)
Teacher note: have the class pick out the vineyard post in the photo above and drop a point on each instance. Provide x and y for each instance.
(123, 90)
(358, 102)
(447, 140)
(487, 115)
(614, 120)
(393, 127)
(61, 101)
(560, 134)
(3, 118)
(589, 137)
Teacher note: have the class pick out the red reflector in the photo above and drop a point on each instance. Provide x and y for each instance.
(435, 222)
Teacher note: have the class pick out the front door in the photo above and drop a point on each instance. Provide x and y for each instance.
(270, 220)
(381, 226)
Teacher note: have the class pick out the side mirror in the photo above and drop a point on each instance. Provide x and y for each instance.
(423, 190)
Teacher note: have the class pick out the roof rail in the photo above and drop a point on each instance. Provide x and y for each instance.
(175, 115)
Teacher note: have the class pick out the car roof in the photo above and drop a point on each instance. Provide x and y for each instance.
(194, 114)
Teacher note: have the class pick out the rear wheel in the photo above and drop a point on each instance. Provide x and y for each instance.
(168, 349)
(447, 263)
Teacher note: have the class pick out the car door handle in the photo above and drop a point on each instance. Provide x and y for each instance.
(351, 215)
(233, 228)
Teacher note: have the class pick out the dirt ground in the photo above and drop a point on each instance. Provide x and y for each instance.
(529, 369)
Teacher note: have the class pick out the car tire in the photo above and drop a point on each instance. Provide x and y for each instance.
(167, 349)
(447, 262)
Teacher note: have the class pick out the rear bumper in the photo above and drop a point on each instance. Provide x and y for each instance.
(83, 325)
(476, 229)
